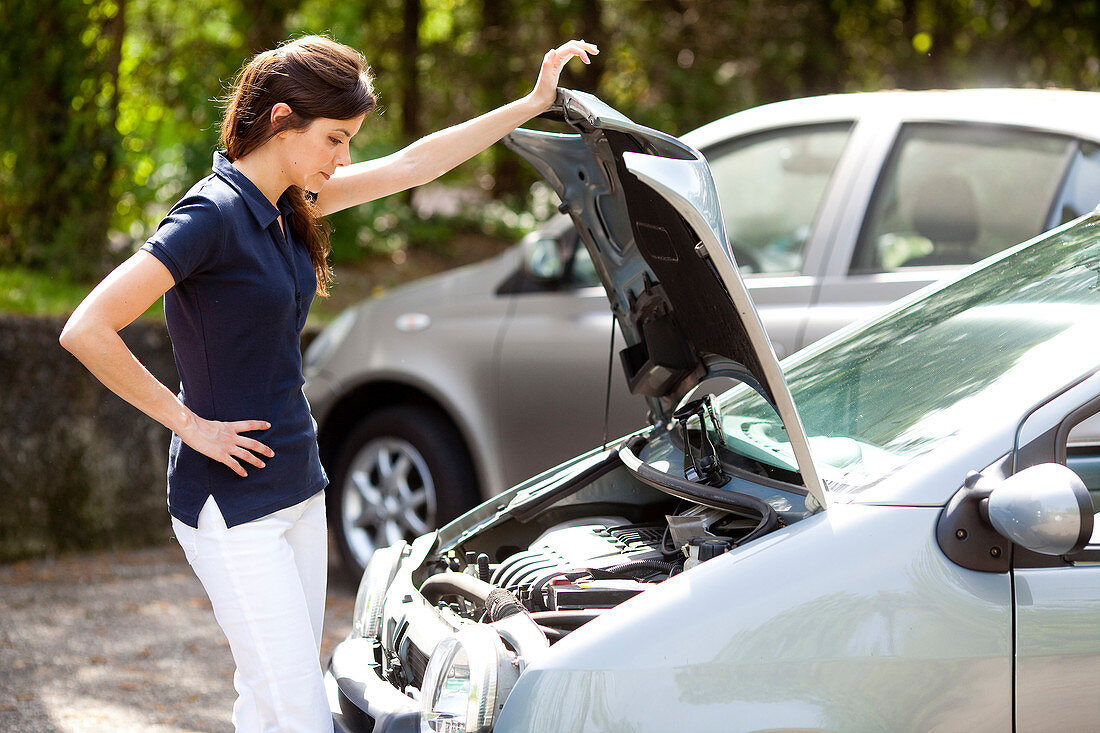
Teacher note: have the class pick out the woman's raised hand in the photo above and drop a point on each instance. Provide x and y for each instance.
(223, 442)
(553, 62)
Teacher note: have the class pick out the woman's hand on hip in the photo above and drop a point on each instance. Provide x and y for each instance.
(223, 442)
(546, 88)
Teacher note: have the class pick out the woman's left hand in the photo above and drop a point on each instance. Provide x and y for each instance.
(553, 62)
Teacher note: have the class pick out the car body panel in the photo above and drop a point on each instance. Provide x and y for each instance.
(858, 631)
(582, 325)
(460, 318)
(1057, 647)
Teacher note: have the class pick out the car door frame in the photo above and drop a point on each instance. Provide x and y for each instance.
(1056, 614)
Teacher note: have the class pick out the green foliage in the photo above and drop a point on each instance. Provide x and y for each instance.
(59, 62)
(393, 225)
(111, 107)
(177, 62)
(43, 293)
(33, 293)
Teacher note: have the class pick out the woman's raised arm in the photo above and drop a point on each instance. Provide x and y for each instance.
(433, 155)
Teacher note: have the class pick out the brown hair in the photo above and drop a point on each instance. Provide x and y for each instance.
(316, 77)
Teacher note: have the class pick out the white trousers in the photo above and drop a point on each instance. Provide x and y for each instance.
(266, 581)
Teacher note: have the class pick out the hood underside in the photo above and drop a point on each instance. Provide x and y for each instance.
(647, 209)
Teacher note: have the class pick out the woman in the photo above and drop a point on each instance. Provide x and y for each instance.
(238, 260)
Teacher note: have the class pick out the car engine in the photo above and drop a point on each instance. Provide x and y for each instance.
(459, 614)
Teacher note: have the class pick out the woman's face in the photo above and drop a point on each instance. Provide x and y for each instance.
(312, 155)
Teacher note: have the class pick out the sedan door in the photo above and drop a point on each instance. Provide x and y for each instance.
(949, 194)
(553, 380)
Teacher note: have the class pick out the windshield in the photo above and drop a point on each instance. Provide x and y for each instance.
(985, 348)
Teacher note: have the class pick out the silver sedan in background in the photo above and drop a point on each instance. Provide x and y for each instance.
(452, 388)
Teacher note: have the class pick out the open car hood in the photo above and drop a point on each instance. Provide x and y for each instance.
(647, 209)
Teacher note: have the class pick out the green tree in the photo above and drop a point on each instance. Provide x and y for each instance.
(111, 107)
(60, 65)
(177, 61)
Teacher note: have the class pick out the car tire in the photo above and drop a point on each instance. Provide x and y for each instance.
(402, 471)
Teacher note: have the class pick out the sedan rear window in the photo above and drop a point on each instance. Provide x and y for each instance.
(955, 194)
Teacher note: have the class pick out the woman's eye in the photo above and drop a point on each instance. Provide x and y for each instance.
(334, 140)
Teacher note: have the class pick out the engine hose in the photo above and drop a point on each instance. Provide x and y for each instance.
(700, 493)
(567, 619)
(498, 603)
(629, 569)
(456, 584)
(502, 603)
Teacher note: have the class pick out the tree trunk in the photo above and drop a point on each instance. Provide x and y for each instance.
(497, 37)
(265, 22)
(410, 56)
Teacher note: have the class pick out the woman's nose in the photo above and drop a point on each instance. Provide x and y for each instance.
(343, 157)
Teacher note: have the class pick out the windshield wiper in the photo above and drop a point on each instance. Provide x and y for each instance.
(701, 463)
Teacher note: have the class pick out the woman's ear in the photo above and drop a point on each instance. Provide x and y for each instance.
(280, 112)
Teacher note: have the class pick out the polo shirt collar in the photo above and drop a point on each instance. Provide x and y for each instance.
(257, 203)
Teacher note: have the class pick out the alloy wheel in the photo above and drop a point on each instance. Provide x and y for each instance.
(388, 495)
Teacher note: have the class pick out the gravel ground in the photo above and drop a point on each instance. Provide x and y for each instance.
(121, 642)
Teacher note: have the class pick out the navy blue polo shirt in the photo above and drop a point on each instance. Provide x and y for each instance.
(235, 317)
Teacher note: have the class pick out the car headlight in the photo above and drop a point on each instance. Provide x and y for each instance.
(367, 616)
(467, 679)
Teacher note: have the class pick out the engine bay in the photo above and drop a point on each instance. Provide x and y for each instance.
(537, 567)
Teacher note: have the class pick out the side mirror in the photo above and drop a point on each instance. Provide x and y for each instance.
(544, 258)
(1044, 508)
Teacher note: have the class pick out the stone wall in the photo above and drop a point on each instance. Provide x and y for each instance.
(79, 468)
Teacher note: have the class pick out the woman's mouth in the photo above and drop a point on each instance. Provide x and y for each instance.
(326, 175)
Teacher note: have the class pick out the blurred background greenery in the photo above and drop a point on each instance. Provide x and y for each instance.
(110, 108)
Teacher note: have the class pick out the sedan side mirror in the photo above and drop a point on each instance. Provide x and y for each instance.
(1044, 508)
(544, 258)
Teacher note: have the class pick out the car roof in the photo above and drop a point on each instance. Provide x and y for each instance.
(1054, 110)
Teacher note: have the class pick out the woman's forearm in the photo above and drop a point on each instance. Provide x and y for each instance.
(424, 160)
(103, 352)
(91, 335)
(432, 156)
(107, 357)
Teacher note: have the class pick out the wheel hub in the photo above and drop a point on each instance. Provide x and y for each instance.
(388, 495)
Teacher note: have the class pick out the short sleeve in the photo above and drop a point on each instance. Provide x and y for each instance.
(190, 238)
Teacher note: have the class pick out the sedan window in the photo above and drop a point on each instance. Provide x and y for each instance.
(952, 195)
(771, 186)
(1081, 193)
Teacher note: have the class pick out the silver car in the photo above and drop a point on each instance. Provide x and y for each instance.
(451, 389)
(882, 534)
